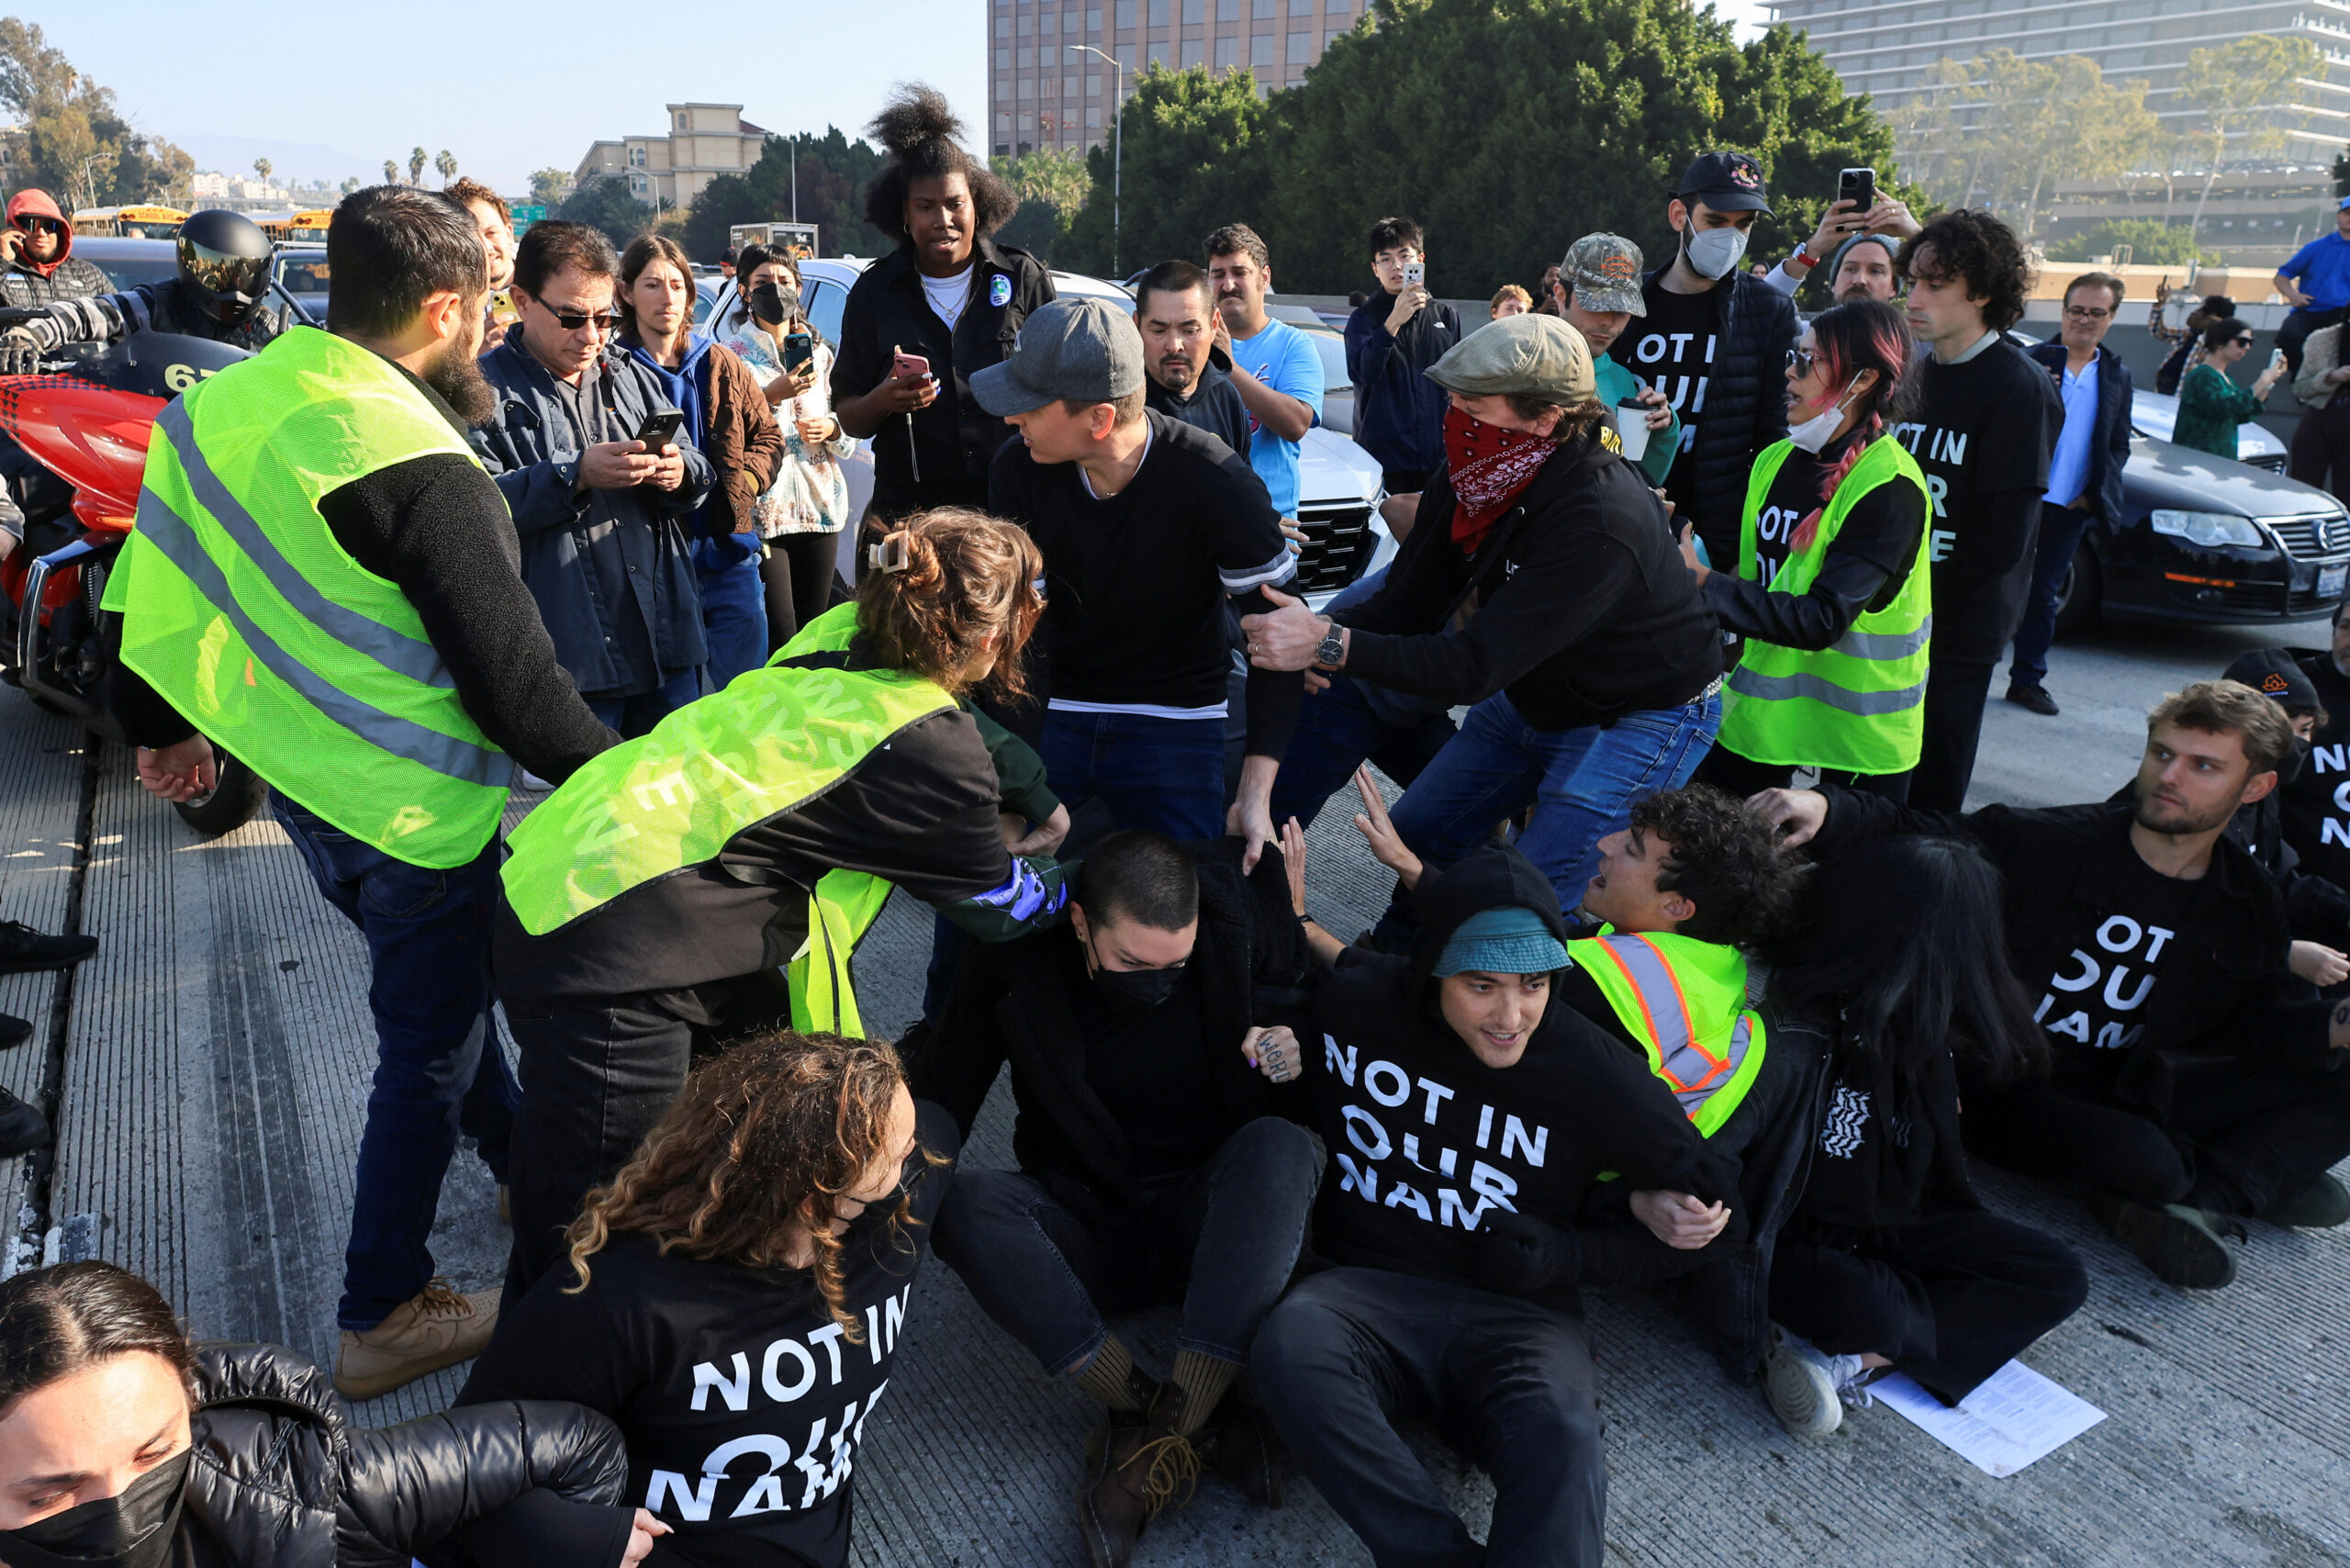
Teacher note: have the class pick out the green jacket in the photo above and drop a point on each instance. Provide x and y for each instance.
(2211, 406)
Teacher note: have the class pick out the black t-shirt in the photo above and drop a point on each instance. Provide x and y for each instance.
(1881, 528)
(1672, 349)
(1214, 405)
(2316, 804)
(2095, 1005)
(1149, 1069)
(1984, 431)
(740, 1399)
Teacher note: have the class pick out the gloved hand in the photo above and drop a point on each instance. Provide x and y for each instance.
(1520, 1255)
(21, 350)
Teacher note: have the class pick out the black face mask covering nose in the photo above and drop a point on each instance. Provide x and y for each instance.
(1139, 989)
(131, 1530)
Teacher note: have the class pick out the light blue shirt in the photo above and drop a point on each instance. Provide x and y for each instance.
(2068, 466)
(1280, 358)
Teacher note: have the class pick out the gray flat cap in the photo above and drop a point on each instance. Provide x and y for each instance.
(1071, 348)
(1535, 356)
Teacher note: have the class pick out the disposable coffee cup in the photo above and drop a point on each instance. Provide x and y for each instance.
(1632, 429)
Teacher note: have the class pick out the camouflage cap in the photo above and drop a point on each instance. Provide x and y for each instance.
(1602, 270)
(1533, 356)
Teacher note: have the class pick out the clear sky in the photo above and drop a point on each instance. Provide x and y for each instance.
(332, 90)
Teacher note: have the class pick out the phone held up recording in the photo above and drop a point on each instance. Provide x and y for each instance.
(1859, 187)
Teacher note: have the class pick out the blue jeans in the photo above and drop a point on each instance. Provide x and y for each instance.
(1166, 775)
(439, 1070)
(2060, 535)
(1582, 783)
(733, 609)
(1337, 733)
(646, 709)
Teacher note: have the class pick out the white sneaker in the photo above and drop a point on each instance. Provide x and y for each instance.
(1809, 1388)
(527, 781)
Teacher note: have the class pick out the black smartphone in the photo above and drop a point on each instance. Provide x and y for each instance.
(1859, 187)
(798, 350)
(660, 428)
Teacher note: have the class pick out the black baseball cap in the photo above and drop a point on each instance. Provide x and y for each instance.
(2275, 673)
(1727, 182)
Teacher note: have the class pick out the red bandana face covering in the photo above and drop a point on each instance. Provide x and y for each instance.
(1489, 467)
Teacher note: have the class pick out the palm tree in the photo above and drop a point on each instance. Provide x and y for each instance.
(416, 161)
(391, 173)
(447, 164)
(262, 167)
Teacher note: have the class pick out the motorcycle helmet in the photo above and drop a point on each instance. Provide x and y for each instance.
(224, 264)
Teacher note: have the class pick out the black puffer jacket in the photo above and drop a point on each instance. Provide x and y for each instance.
(280, 1479)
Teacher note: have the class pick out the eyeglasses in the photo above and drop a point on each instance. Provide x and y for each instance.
(1800, 361)
(2086, 312)
(572, 320)
(33, 224)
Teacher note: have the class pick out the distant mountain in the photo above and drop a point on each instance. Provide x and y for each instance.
(291, 163)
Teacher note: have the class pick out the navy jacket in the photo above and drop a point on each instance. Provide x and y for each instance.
(1399, 412)
(574, 551)
(2110, 440)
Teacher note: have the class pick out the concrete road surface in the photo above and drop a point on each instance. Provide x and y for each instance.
(208, 1072)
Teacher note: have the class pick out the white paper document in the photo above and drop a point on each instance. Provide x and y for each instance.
(2016, 1416)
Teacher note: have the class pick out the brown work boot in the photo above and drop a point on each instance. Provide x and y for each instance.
(1239, 1448)
(1137, 1472)
(437, 1329)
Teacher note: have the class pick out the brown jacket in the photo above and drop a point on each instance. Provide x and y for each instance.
(744, 443)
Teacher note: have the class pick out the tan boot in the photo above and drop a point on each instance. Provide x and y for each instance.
(437, 1329)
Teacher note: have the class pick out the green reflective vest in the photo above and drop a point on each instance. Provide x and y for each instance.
(1857, 706)
(241, 609)
(1685, 1001)
(777, 737)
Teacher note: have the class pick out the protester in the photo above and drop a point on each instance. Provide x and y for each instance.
(2320, 449)
(1858, 247)
(495, 223)
(1592, 662)
(801, 513)
(2210, 405)
(1466, 1119)
(1713, 341)
(405, 620)
(217, 292)
(1832, 595)
(1392, 339)
(1274, 369)
(2092, 449)
(2187, 1088)
(2188, 338)
(1510, 299)
(37, 253)
(2316, 283)
(1986, 427)
(650, 901)
(1175, 311)
(23, 950)
(1598, 295)
(1889, 1260)
(1152, 1168)
(1148, 528)
(126, 1444)
(1546, 292)
(601, 514)
(949, 294)
(727, 418)
(759, 1250)
(2315, 808)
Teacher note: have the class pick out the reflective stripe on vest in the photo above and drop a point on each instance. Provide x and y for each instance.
(241, 609)
(1710, 1064)
(1857, 706)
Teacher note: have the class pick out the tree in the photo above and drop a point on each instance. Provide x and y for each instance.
(833, 174)
(415, 160)
(445, 165)
(549, 186)
(2152, 243)
(2241, 90)
(391, 173)
(606, 204)
(1053, 184)
(350, 184)
(76, 139)
(1198, 155)
(262, 167)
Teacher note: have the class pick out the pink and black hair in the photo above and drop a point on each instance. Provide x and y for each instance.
(1863, 334)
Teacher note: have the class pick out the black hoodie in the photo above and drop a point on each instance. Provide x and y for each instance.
(1426, 1139)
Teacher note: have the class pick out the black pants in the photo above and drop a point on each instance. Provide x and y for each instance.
(2296, 327)
(1404, 481)
(1742, 776)
(1224, 1236)
(1954, 697)
(798, 577)
(2321, 453)
(2240, 1136)
(1351, 1351)
(1949, 1299)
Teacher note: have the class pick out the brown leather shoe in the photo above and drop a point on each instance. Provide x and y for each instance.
(438, 1329)
(1138, 1471)
(1239, 1448)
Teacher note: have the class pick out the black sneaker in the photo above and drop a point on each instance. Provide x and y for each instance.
(14, 1031)
(23, 948)
(22, 1127)
(2319, 1204)
(2178, 1243)
(2033, 699)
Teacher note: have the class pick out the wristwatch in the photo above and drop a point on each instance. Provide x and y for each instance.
(1801, 254)
(1333, 651)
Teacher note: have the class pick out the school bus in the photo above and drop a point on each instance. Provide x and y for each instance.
(149, 221)
(309, 224)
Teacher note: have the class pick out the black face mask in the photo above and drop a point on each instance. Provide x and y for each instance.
(1140, 989)
(133, 1529)
(773, 304)
(2290, 767)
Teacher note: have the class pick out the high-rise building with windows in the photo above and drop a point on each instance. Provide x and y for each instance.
(1883, 47)
(1044, 92)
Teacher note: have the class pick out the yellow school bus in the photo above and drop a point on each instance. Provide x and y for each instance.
(309, 224)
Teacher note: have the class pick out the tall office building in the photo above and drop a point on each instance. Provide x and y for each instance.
(1883, 46)
(1043, 91)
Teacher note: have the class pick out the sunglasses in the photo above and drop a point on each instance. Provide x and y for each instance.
(572, 320)
(31, 224)
(1800, 361)
(2241, 343)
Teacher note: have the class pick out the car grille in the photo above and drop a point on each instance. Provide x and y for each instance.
(1338, 544)
(2272, 461)
(2312, 538)
(2263, 601)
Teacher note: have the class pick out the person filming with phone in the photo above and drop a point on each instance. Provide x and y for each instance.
(1856, 238)
(1392, 339)
(600, 481)
(2210, 405)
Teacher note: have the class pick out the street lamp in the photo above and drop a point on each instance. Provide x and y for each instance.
(1117, 147)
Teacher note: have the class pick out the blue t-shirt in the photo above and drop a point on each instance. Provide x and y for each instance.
(2322, 269)
(1280, 358)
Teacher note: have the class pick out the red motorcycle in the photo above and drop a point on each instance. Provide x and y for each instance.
(86, 421)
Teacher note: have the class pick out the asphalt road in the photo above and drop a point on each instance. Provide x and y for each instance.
(208, 1069)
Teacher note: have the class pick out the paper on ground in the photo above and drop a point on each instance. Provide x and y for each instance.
(2016, 1416)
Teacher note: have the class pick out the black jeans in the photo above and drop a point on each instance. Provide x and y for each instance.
(2060, 539)
(1351, 1351)
(2321, 453)
(2245, 1132)
(1225, 1234)
(1742, 776)
(2296, 329)
(1954, 697)
(1950, 1299)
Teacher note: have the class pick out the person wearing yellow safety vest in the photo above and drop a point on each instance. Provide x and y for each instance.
(715, 876)
(323, 580)
(1833, 592)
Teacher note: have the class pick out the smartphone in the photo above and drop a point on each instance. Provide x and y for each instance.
(800, 349)
(1632, 427)
(660, 428)
(2275, 359)
(1416, 275)
(910, 367)
(1859, 187)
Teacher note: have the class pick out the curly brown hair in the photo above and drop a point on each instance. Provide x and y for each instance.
(1970, 246)
(1727, 859)
(757, 1152)
(965, 578)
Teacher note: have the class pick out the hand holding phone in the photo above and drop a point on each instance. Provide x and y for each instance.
(1859, 187)
(799, 350)
(1416, 275)
(660, 428)
(906, 366)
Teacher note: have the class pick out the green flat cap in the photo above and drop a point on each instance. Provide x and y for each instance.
(1535, 356)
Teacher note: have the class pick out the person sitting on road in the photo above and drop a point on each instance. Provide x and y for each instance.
(124, 1444)
(2187, 1088)
(219, 293)
(736, 1297)
(1152, 1165)
(1466, 1118)
(1889, 1260)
